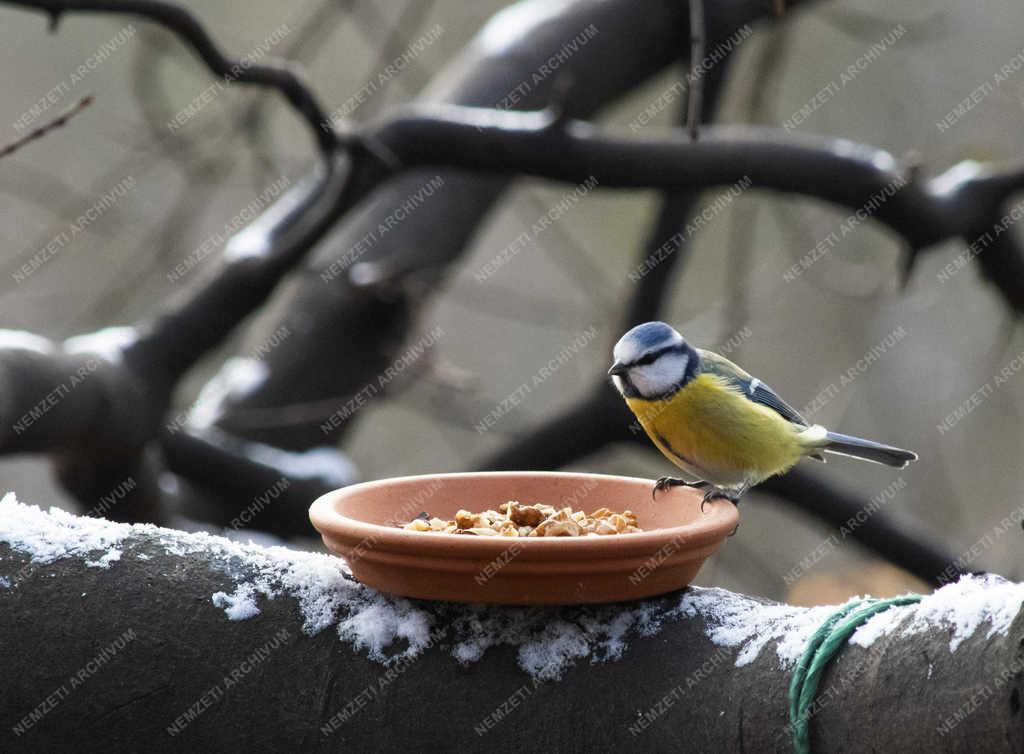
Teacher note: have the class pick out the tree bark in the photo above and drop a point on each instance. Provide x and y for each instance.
(672, 690)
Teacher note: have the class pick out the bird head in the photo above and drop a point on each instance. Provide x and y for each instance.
(652, 361)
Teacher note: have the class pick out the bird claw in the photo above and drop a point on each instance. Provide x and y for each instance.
(667, 482)
(713, 494)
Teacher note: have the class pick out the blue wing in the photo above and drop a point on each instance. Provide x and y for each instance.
(750, 386)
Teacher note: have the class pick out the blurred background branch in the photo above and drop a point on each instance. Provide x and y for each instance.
(292, 269)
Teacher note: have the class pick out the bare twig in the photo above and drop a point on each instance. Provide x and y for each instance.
(280, 76)
(666, 238)
(695, 84)
(41, 131)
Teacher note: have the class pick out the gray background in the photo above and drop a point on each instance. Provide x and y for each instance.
(803, 335)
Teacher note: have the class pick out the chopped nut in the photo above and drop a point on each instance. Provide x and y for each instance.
(562, 529)
(618, 521)
(512, 519)
(525, 515)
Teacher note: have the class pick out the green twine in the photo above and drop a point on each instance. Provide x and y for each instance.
(823, 646)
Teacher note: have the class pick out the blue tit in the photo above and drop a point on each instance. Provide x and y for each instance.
(725, 429)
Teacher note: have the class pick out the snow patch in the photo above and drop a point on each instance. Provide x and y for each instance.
(58, 534)
(113, 554)
(961, 608)
(238, 606)
(549, 641)
(109, 342)
(236, 378)
(733, 620)
(26, 341)
(377, 622)
(324, 463)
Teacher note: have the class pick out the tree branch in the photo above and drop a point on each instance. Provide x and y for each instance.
(239, 470)
(283, 77)
(41, 131)
(175, 672)
(924, 211)
(695, 83)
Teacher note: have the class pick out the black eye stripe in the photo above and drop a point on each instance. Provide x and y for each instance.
(653, 355)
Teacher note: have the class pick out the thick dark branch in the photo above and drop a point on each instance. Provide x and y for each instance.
(898, 541)
(62, 397)
(834, 170)
(251, 266)
(184, 676)
(1002, 261)
(283, 77)
(240, 470)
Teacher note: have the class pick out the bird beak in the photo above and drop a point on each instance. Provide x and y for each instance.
(617, 368)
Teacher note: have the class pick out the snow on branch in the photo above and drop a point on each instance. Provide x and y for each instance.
(248, 629)
(548, 641)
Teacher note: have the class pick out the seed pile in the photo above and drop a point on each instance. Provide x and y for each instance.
(512, 519)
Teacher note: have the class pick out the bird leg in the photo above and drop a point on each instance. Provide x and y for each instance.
(713, 493)
(717, 494)
(667, 482)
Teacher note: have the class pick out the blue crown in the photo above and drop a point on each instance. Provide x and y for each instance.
(651, 334)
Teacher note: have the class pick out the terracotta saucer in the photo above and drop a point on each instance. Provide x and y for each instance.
(358, 523)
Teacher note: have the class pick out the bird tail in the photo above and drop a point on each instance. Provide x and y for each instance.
(867, 450)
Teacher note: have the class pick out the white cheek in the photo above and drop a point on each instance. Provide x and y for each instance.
(647, 380)
(661, 376)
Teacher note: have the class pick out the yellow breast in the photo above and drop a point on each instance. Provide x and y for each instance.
(708, 425)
